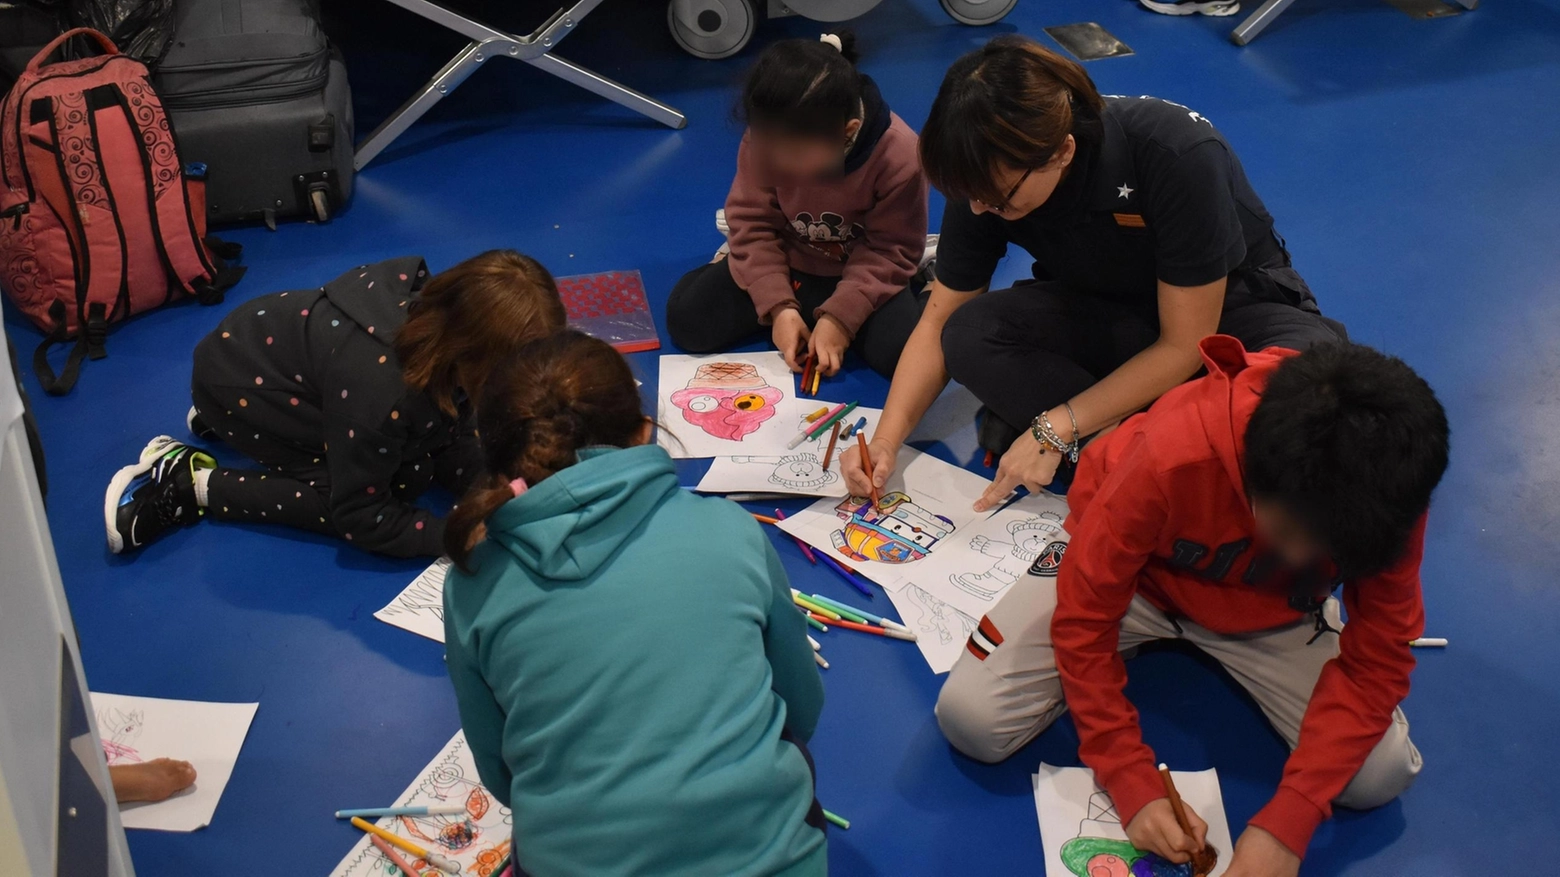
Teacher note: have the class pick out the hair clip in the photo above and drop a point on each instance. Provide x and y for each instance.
(518, 486)
(833, 40)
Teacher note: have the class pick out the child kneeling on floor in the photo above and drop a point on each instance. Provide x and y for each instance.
(827, 219)
(1226, 515)
(624, 740)
(353, 397)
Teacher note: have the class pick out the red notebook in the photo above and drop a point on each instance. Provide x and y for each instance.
(611, 306)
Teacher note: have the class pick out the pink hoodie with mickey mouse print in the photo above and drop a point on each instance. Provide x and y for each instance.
(868, 227)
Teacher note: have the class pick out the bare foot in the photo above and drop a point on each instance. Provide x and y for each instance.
(155, 780)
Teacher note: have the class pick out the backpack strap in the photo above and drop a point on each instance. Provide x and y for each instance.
(65, 381)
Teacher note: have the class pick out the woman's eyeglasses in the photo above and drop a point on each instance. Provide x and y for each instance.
(1007, 200)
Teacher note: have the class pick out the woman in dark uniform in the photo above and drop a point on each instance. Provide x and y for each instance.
(1146, 237)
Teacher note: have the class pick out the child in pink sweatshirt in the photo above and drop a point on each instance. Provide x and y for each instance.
(827, 216)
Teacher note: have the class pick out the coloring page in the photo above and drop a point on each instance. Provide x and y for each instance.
(1082, 832)
(941, 630)
(732, 404)
(420, 607)
(477, 840)
(797, 472)
(207, 735)
(924, 503)
(974, 568)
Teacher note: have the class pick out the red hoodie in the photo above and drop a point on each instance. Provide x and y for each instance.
(1159, 508)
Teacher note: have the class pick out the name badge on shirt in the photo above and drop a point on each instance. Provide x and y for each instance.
(1130, 220)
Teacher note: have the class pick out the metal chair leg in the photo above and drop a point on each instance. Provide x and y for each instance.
(612, 91)
(486, 43)
(1258, 21)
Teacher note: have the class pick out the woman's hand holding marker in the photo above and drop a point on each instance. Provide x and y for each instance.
(884, 457)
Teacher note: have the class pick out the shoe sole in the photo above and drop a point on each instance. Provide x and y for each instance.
(122, 479)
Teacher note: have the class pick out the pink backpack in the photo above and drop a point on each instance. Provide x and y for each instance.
(98, 219)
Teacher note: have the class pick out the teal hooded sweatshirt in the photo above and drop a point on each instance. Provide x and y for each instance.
(626, 658)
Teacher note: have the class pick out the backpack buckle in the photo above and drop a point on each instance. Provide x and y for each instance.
(95, 332)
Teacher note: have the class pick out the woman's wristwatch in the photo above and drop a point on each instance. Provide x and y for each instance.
(1048, 437)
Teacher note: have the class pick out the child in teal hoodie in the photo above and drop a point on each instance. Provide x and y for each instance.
(633, 679)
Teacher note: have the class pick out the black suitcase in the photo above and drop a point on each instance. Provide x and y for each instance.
(256, 93)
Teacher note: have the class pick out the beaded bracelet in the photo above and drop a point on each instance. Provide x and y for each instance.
(1046, 435)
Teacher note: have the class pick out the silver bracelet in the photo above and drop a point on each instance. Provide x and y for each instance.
(1047, 435)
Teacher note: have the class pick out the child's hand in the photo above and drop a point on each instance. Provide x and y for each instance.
(829, 341)
(791, 337)
(1154, 829)
(885, 457)
(1259, 854)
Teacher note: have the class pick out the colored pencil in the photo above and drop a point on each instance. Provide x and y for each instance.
(814, 608)
(394, 857)
(779, 515)
(396, 840)
(828, 455)
(821, 662)
(837, 819)
(817, 429)
(847, 575)
(866, 464)
(822, 628)
(880, 631)
(806, 431)
(376, 812)
(765, 519)
(813, 417)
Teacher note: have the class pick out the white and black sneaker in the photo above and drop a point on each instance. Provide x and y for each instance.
(1216, 8)
(154, 495)
(198, 427)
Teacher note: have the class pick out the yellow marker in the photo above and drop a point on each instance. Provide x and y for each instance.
(814, 607)
(433, 858)
(813, 417)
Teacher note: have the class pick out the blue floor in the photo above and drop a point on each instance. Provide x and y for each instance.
(1412, 167)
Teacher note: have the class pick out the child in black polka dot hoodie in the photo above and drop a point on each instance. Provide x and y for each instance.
(353, 398)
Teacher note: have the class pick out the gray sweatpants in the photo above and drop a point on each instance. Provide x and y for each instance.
(989, 709)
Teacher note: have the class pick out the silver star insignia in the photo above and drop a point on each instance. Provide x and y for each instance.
(1124, 190)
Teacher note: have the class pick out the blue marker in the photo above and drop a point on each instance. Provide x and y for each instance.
(375, 812)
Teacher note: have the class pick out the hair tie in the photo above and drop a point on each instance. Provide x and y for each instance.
(518, 486)
(833, 40)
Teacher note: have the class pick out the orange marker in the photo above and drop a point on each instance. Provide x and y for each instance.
(833, 437)
(866, 464)
(394, 857)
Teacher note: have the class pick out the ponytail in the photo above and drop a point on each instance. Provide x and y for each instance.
(540, 408)
(807, 88)
(1013, 103)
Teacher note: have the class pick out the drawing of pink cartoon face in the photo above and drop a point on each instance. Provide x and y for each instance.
(728, 400)
(1106, 865)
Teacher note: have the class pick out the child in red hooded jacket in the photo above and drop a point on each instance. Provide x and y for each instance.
(1227, 515)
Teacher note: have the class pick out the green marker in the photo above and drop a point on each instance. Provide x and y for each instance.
(816, 623)
(837, 819)
(845, 612)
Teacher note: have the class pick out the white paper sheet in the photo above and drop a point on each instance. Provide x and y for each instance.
(735, 403)
(420, 607)
(1080, 828)
(975, 567)
(207, 735)
(477, 840)
(925, 503)
(797, 472)
(941, 630)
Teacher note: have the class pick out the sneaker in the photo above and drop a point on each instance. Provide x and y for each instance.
(1216, 8)
(929, 255)
(147, 499)
(198, 427)
(720, 223)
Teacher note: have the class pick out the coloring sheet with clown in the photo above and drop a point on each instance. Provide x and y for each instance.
(1083, 836)
(923, 505)
(734, 404)
(796, 472)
